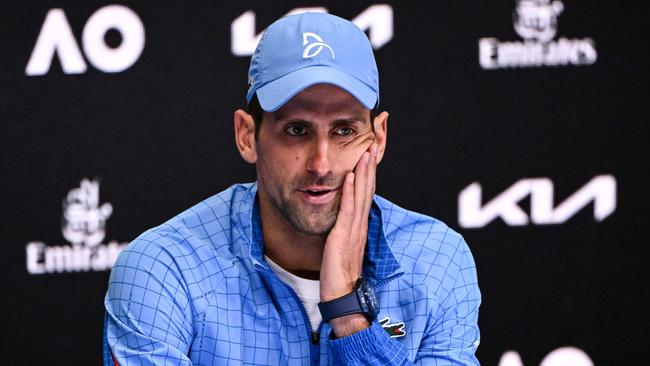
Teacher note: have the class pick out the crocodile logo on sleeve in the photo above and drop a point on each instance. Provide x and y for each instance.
(394, 330)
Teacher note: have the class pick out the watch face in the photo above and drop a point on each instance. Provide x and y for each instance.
(370, 299)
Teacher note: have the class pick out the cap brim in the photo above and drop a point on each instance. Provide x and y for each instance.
(275, 94)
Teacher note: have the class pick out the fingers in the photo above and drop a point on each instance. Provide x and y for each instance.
(364, 186)
(356, 196)
(371, 178)
(360, 188)
(346, 210)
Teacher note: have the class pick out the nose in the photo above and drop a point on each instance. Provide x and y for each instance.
(318, 162)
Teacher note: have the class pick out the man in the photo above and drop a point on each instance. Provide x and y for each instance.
(307, 265)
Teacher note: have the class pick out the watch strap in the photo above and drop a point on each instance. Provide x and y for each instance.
(346, 305)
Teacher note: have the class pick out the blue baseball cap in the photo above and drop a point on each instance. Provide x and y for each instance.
(302, 50)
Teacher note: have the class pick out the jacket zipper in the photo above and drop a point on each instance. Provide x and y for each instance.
(314, 337)
(385, 281)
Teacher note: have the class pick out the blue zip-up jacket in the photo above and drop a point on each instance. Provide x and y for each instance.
(197, 291)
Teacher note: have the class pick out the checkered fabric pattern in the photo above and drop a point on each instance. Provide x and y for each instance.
(197, 291)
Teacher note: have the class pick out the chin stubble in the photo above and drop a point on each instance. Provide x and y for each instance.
(301, 223)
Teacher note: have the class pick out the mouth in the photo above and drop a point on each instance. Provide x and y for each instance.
(318, 195)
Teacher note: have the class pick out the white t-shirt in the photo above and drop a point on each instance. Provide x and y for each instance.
(308, 292)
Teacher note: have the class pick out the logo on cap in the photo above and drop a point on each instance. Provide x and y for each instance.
(317, 44)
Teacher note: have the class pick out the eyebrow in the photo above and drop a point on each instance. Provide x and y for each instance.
(335, 123)
(348, 121)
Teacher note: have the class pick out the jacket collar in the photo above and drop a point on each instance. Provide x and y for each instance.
(378, 263)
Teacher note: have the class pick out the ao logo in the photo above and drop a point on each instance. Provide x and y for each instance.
(307, 53)
(471, 214)
(376, 19)
(56, 36)
(537, 19)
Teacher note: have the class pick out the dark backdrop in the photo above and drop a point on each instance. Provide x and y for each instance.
(157, 137)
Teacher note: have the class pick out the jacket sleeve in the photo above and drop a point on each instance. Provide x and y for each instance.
(454, 335)
(148, 317)
(450, 340)
(371, 346)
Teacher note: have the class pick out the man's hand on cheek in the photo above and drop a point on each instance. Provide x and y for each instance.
(345, 245)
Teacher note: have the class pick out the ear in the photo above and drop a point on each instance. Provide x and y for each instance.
(245, 136)
(381, 130)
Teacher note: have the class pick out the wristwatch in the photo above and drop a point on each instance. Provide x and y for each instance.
(362, 300)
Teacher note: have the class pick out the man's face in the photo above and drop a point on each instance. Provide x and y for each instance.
(304, 151)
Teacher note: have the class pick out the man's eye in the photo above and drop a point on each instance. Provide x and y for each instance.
(344, 131)
(296, 130)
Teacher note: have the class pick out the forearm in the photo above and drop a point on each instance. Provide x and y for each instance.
(348, 325)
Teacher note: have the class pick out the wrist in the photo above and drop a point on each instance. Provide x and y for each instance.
(327, 294)
(356, 309)
(348, 325)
